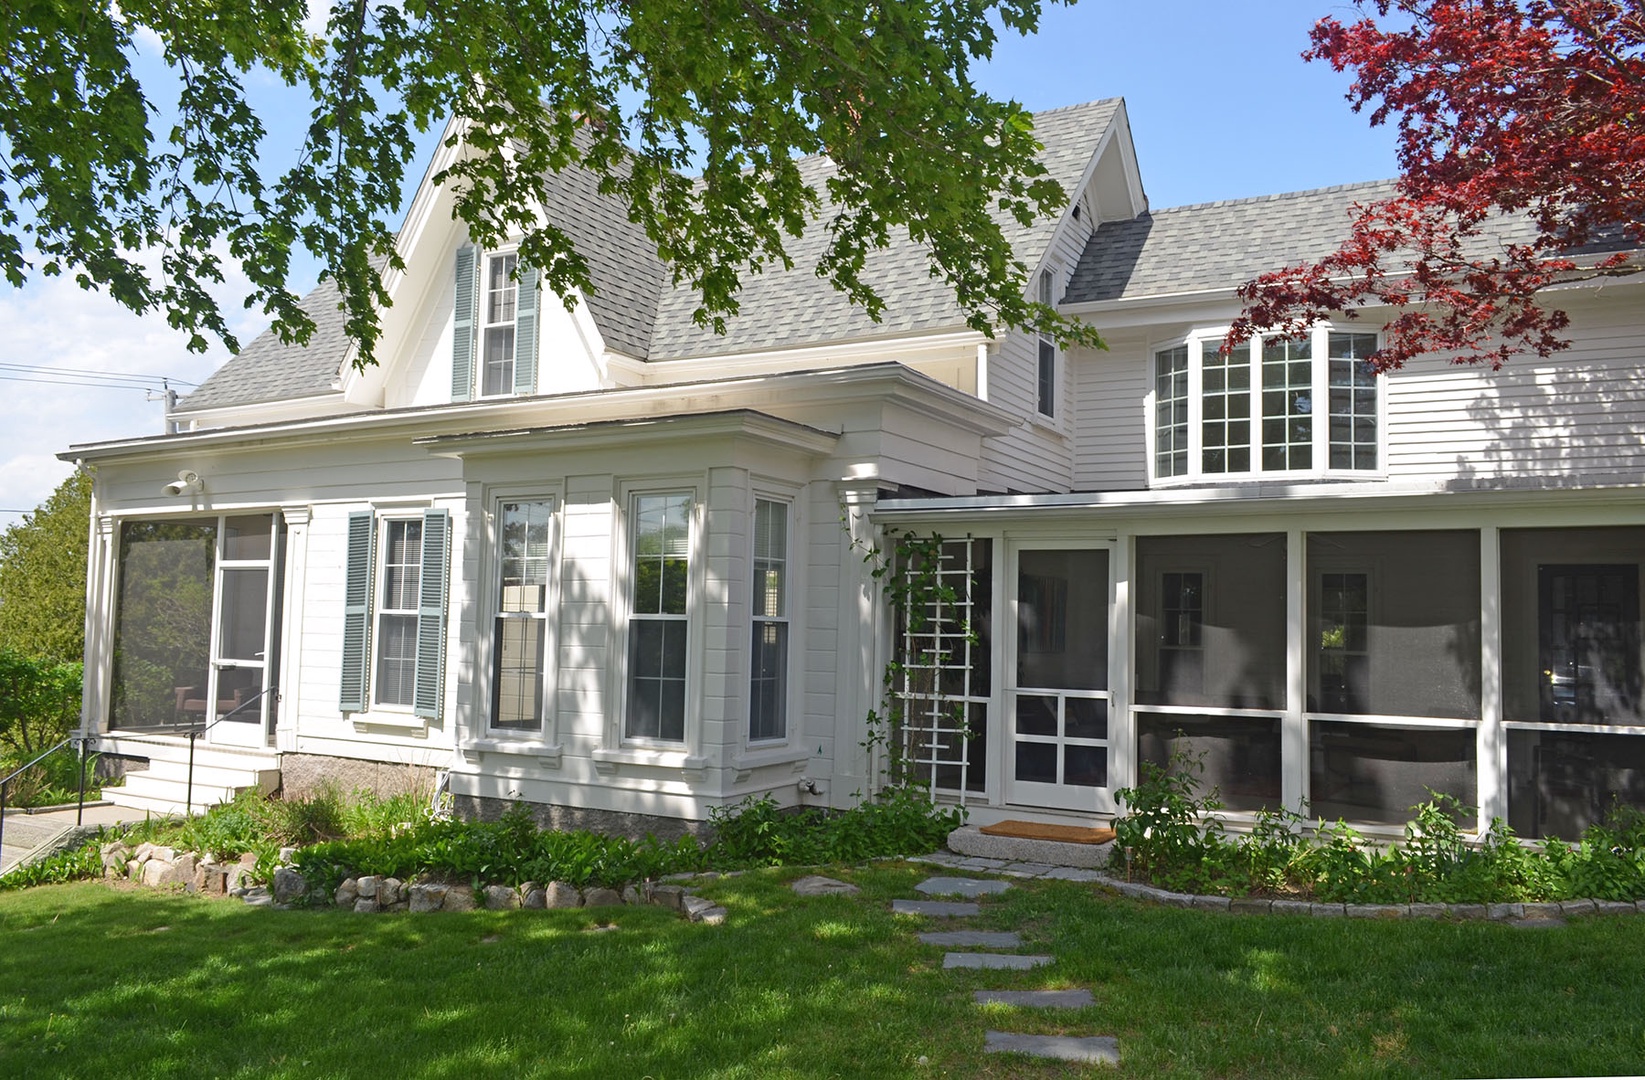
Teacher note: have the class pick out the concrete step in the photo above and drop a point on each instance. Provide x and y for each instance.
(992, 961)
(958, 886)
(162, 797)
(1036, 999)
(977, 939)
(971, 840)
(1096, 1049)
(941, 908)
(212, 774)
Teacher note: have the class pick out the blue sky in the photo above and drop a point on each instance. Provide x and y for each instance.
(1221, 105)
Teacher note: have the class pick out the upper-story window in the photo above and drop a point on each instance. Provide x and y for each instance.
(1046, 373)
(501, 298)
(1275, 404)
(494, 325)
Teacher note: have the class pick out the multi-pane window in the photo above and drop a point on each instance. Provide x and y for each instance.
(1287, 404)
(1353, 402)
(1225, 438)
(1047, 371)
(522, 620)
(768, 678)
(501, 302)
(657, 627)
(1182, 625)
(1252, 410)
(1344, 610)
(1171, 411)
(401, 580)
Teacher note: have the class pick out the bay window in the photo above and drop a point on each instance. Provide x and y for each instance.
(1295, 405)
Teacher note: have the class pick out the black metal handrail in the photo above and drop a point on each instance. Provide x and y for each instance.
(195, 733)
(5, 782)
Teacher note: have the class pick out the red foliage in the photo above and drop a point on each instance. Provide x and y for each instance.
(1522, 157)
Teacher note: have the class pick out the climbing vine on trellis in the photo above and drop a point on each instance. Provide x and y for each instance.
(913, 581)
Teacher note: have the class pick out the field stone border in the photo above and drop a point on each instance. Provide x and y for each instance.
(1250, 905)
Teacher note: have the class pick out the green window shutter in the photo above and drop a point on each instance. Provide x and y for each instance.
(464, 303)
(362, 531)
(429, 690)
(525, 332)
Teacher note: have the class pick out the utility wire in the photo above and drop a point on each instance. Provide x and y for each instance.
(34, 369)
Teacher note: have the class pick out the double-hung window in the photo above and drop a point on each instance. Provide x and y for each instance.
(768, 670)
(658, 625)
(494, 325)
(497, 335)
(394, 613)
(1296, 405)
(521, 635)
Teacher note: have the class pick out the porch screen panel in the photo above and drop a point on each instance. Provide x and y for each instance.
(1240, 755)
(1210, 629)
(1571, 635)
(1561, 782)
(1393, 624)
(162, 635)
(1376, 773)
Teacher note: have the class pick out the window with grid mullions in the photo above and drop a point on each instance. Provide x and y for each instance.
(658, 627)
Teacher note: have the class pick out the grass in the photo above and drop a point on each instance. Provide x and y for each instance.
(96, 981)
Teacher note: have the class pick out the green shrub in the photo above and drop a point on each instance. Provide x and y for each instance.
(75, 864)
(902, 820)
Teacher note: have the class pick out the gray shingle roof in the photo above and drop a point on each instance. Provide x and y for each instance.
(638, 312)
(1221, 245)
(269, 370)
(780, 308)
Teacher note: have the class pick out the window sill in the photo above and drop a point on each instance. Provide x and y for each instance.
(398, 722)
(757, 758)
(608, 759)
(546, 753)
(1051, 426)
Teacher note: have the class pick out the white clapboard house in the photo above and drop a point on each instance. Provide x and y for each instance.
(610, 565)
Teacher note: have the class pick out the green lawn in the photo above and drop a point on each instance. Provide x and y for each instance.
(102, 983)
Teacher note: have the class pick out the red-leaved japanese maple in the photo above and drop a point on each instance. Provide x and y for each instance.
(1522, 157)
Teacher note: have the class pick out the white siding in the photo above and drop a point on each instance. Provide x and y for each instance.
(1110, 444)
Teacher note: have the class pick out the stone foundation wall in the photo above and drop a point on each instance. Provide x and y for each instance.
(565, 818)
(302, 775)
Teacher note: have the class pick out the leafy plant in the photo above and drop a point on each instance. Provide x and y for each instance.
(1169, 831)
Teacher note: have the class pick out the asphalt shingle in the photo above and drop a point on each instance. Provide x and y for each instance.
(269, 370)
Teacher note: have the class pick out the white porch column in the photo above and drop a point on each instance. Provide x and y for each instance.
(1492, 743)
(1122, 727)
(291, 627)
(1293, 729)
(102, 576)
(862, 645)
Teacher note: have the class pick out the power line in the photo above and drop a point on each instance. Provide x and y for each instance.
(43, 370)
(93, 385)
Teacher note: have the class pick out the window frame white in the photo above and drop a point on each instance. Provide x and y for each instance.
(1046, 368)
(381, 610)
(783, 618)
(485, 325)
(495, 613)
(1319, 394)
(618, 733)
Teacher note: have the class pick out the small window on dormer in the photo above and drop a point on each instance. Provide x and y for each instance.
(1047, 373)
(494, 324)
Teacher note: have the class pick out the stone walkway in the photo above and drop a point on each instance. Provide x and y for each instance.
(1090, 1049)
(1007, 868)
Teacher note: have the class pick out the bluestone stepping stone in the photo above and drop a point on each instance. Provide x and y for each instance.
(942, 908)
(1036, 999)
(981, 939)
(1097, 1049)
(994, 961)
(961, 886)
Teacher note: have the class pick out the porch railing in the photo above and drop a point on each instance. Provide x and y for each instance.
(83, 743)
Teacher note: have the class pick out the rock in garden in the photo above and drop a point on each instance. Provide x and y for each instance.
(347, 893)
(427, 897)
(667, 896)
(536, 899)
(501, 898)
(366, 886)
(458, 898)
(631, 895)
(289, 885)
(390, 891)
(602, 898)
(817, 885)
(562, 895)
(367, 905)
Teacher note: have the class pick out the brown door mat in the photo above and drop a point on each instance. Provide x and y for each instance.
(1062, 834)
